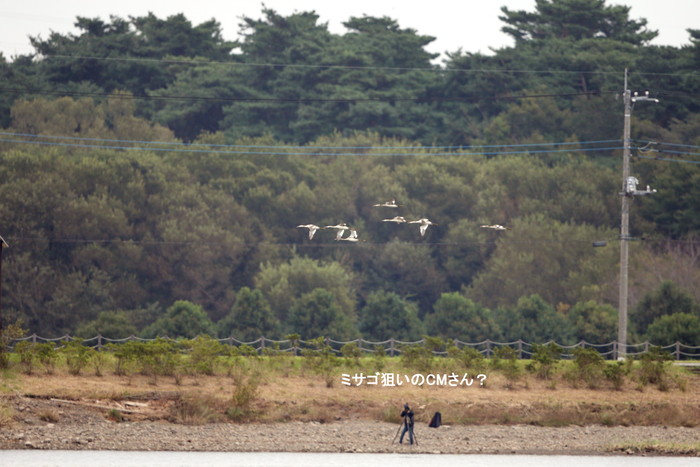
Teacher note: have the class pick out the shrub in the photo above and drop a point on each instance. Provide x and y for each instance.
(247, 382)
(615, 373)
(7, 335)
(352, 353)
(321, 359)
(98, 360)
(653, 367)
(203, 352)
(588, 367)
(47, 355)
(77, 355)
(155, 358)
(115, 415)
(127, 355)
(417, 357)
(379, 357)
(468, 357)
(434, 344)
(507, 359)
(544, 359)
(160, 357)
(26, 352)
(247, 350)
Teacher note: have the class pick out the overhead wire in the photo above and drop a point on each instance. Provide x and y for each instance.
(669, 159)
(669, 151)
(283, 146)
(191, 148)
(457, 151)
(308, 152)
(667, 144)
(253, 149)
(657, 148)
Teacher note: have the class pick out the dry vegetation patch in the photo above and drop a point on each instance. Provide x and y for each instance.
(293, 394)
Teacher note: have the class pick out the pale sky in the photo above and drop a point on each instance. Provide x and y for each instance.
(471, 25)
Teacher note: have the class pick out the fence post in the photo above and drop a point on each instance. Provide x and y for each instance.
(678, 350)
(488, 348)
(520, 349)
(262, 344)
(391, 347)
(34, 338)
(99, 342)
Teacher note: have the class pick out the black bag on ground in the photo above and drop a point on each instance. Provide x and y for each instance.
(436, 421)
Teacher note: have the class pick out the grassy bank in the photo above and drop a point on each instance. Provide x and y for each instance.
(194, 388)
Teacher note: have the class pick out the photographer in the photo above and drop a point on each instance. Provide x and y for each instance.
(407, 415)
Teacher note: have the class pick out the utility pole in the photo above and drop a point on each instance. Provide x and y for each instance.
(629, 189)
(624, 228)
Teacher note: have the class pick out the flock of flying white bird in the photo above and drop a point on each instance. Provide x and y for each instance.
(352, 235)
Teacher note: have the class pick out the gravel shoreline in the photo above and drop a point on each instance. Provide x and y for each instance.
(80, 428)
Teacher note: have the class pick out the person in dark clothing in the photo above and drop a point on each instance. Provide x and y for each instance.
(407, 415)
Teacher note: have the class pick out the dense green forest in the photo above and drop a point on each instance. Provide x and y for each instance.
(153, 176)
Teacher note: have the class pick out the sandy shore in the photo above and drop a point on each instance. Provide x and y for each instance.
(77, 427)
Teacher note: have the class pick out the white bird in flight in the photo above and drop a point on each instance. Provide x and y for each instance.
(424, 223)
(312, 229)
(397, 219)
(340, 228)
(352, 236)
(388, 204)
(496, 227)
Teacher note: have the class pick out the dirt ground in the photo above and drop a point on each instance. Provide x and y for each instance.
(108, 412)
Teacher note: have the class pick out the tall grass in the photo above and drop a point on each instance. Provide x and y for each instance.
(246, 380)
(195, 409)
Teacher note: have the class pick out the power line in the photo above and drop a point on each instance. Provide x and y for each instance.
(477, 150)
(208, 145)
(667, 144)
(682, 153)
(309, 152)
(653, 147)
(668, 159)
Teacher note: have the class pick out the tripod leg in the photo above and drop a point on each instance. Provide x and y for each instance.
(397, 434)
